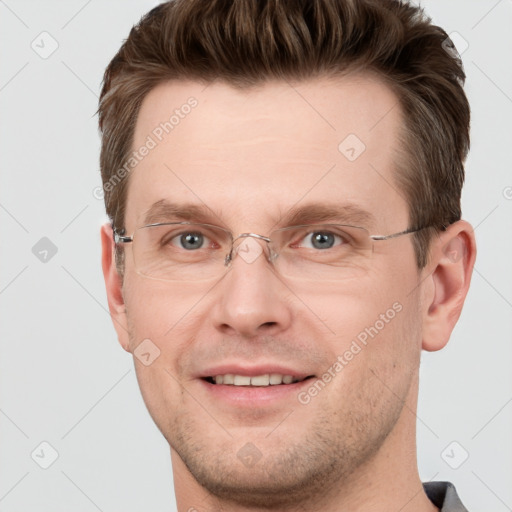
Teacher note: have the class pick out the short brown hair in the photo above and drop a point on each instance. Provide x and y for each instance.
(247, 42)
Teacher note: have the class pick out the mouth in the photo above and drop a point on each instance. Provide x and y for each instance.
(244, 386)
(256, 381)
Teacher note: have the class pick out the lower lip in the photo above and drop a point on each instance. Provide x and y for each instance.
(250, 396)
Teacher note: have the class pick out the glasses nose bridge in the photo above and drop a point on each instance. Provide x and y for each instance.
(235, 248)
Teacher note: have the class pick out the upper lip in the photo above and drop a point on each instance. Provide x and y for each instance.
(251, 370)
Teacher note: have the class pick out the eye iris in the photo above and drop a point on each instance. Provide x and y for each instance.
(323, 240)
(194, 239)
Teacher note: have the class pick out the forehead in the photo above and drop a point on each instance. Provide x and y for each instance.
(249, 155)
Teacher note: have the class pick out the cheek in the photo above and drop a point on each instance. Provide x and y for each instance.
(161, 320)
(157, 341)
(374, 325)
(350, 307)
(379, 352)
(158, 310)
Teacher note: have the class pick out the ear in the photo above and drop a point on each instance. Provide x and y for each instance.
(450, 267)
(114, 286)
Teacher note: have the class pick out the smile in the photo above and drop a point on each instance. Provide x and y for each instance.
(268, 379)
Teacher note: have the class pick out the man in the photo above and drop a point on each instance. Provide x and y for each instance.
(283, 180)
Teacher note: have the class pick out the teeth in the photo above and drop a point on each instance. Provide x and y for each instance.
(272, 379)
(241, 380)
(276, 378)
(228, 379)
(260, 380)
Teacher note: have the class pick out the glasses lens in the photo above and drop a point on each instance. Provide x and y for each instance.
(322, 252)
(181, 252)
(196, 252)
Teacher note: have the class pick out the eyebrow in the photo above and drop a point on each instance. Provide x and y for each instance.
(166, 211)
(318, 212)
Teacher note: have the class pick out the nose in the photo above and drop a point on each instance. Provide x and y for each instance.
(253, 299)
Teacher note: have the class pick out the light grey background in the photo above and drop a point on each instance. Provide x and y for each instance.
(63, 377)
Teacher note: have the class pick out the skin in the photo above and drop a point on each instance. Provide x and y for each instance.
(250, 156)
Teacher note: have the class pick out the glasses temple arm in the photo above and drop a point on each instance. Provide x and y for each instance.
(119, 237)
(395, 235)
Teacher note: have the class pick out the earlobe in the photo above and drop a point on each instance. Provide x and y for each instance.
(114, 287)
(451, 265)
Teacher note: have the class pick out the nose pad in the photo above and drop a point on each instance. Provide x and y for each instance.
(247, 248)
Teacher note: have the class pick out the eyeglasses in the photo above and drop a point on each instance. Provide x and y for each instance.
(184, 251)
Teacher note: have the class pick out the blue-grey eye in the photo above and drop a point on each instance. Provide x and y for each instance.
(321, 240)
(190, 240)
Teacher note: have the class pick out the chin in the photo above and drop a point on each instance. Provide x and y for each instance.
(270, 484)
(265, 472)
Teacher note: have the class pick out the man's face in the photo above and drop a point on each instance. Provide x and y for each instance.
(250, 157)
